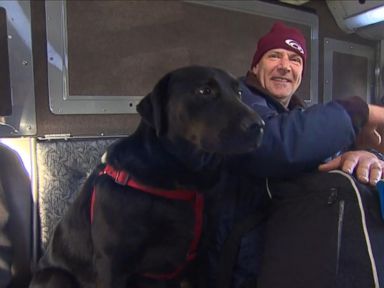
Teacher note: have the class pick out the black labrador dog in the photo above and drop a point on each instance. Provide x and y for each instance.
(137, 221)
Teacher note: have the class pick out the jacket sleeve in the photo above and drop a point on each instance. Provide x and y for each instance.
(299, 140)
(357, 110)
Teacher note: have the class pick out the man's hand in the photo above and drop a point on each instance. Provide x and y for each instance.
(372, 134)
(371, 137)
(366, 166)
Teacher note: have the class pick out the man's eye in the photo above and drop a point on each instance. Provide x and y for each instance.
(298, 60)
(204, 90)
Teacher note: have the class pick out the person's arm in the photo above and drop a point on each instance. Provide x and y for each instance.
(300, 140)
(372, 135)
(368, 164)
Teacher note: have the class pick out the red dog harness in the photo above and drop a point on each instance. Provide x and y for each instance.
(122, 177)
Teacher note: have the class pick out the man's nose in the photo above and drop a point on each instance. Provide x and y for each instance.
(285, 64)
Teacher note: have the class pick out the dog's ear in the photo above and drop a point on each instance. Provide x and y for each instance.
(152, 107)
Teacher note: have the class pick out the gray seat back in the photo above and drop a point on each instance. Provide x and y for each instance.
(63, 166)
(15, 220)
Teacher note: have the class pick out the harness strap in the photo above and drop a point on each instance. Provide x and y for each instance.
(122, 177)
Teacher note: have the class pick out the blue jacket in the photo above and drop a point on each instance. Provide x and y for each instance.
(295, 140)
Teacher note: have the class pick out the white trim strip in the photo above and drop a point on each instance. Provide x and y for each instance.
(367, 240)
(267, 186)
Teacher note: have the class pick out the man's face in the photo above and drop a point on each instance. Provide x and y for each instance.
(279, 71)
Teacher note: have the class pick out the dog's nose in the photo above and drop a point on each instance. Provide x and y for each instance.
(256, 127)
(253, 125)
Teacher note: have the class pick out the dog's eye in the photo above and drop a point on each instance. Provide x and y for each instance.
(204, 90)
(240, 92)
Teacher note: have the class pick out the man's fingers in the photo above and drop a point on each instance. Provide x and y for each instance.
(349, 165)
(376, 172)
(331, 165)
(375, 175)
(370, 171)
(364, 165)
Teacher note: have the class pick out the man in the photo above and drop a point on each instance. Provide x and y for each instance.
(296, 140)
(275, 75)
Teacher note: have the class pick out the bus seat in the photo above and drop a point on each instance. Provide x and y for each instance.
(62, 166)
(15, 220)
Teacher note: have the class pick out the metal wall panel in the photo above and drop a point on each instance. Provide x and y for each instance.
(22, 120)
(348, 70)
(103, 56)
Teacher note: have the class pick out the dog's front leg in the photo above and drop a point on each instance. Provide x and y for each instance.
(117, 234)
(115, 255)
(111, 257)
(109, 273)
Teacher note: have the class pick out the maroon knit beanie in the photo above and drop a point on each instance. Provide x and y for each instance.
(283, 37)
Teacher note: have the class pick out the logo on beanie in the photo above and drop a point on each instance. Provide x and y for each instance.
(294, 45)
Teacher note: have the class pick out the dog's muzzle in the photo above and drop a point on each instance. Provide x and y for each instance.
(242, 136)
(257, 128)
(253, 127)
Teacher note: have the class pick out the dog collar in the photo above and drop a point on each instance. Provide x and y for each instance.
(123, 178)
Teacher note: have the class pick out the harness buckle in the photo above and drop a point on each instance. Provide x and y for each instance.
(122, 178)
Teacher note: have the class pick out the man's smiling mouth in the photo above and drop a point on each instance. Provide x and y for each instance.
(281, 79)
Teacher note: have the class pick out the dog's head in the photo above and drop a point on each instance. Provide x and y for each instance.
(202, 105)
